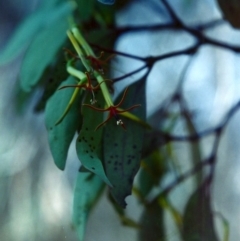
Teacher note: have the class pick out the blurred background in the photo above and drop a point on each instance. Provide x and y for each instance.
(36, 197)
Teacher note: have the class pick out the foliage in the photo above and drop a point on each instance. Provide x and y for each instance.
(113, 149)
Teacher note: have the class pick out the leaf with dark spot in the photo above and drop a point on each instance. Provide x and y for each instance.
(89, 141)
(52, 77)
(124, 147)
(60, 136)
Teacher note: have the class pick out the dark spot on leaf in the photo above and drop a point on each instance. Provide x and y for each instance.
(115, 163)
(91, 157)
(115, 144)
(129, 161)
(120, 164)
(86, 151)
(111, 156)
(51, 128)
(86, 129)
(109, 162)
(91, 138)
(93, 168)
(115, 169)
(79, 140)
(134, 146)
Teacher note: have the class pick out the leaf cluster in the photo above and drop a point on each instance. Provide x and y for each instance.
(111, 156)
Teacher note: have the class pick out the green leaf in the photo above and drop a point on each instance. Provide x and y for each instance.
(45, 4)
(60, 136)
(122, 149)
(198, 217)
(52, 77)
(42, 51)
(87, 191)
(30, 27)
(152, 223)
(89, 141)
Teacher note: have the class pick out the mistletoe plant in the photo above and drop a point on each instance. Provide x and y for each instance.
(100, 146)
(113, 139)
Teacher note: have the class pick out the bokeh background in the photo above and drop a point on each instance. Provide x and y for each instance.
(36, 197)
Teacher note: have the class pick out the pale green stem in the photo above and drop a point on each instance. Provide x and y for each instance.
(82, 41)
(74, 95)
(133, 117)
(78, 38)
(82, 78)
(77, 73)
(79, 51)
(104, 89)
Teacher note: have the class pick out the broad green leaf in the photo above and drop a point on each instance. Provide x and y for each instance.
(198, 217)
(42, 52)
(52, 77)
(152, 223)
(89, 141)
(46, 4)
(122, 149)
(87, 191)
(60, 136)
(151, 172)
(31, 26)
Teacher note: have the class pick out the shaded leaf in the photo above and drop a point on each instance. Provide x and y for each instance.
(87, 191)
(198, 217)
(52, 77)
(30, 27)
(60, 136)
(89, 141)
(152, 223)
(50, 4)
(122, 149)
(42, 51)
